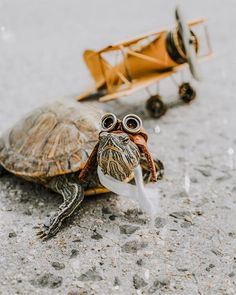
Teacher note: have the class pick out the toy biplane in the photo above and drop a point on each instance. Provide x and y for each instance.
(146, 60)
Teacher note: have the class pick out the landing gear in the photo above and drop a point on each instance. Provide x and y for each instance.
(156, 106)
(186, 92)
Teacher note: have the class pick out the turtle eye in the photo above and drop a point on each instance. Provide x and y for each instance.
(132, 123)
(108, 122)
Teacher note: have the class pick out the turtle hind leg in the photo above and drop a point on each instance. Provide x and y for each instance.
(73, 195)
(147, 175)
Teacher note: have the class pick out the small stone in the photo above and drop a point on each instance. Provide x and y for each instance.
(80, 292)
(182, 269)
(133, 246)
(106, 210)
(194, 180)
(210, 266)
(138, 282)
(135, 212)
(139, 262)
(185, 215)
(158, 284)
(28, 212)
(90, 275)
(128, 229)
(77, 240)
(47, 280)
(160, 222)
(216, 252)
(58, 265)
(112, 217)
(232, 274)
(74, 253)
(116, 281)
(204, 172)
(12, 235)
(223, 177)
(97, 236)
(185, 224)
(199, 212)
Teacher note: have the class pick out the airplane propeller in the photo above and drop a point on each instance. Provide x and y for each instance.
(188, 44)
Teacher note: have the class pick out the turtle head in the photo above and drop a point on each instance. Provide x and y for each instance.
(117, 153)
(120, 147)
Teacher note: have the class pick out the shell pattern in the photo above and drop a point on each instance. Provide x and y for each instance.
(52, 140)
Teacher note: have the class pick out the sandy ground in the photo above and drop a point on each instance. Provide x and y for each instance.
(109, 246)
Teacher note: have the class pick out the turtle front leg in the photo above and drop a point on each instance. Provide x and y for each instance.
(73, 195)
(147, 175)
(2, 171)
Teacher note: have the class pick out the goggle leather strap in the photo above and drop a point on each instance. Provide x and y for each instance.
(90, 164)
(142, 144)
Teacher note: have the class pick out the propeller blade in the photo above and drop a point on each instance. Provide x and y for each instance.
(188, 44)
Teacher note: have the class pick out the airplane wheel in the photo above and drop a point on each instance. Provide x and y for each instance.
(186, 92)
(156, 106)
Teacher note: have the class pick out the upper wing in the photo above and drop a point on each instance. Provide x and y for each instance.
(132, 41)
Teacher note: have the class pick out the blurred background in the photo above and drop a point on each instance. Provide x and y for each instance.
(42, 43)
(191, 252)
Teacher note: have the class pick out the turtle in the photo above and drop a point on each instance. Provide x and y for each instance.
(59, 145)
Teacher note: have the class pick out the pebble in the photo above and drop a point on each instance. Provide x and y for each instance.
(158, 284)
(138, 282)
(210, 266)
(194, 180)
(182, 269)
(112, 217)
(135, 211)
(106, 210)
(116, 281)
(185, 224)
(58, 265)
(216, 252)
(74, 253)
(133, 246)
(47, 280)
(77, 293)
(97, 236)
(186, 215)
(139, 262)
(204, 172)
(90, 275)
(28, 212)
(12, 235)
(160, 222)
(128, 229)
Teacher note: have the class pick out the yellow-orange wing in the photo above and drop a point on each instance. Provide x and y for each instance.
(134, 40)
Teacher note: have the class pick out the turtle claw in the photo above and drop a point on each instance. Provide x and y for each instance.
(43, 233)
(47, 231)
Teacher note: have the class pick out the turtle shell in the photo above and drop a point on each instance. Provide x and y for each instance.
(52, 140)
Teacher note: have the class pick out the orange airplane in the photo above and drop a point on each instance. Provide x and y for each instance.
(146, 60)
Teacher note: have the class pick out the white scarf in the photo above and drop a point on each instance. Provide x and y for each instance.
(147, 196)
